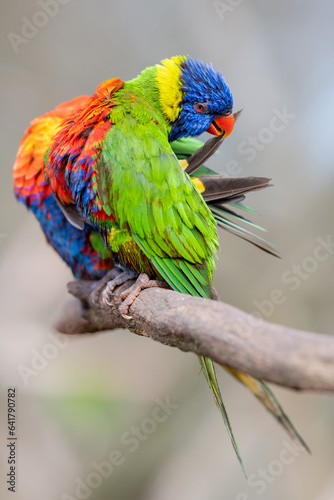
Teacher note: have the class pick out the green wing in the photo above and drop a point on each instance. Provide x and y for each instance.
(153, 199)
(144, 187)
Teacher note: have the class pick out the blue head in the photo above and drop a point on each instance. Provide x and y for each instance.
(194, 97)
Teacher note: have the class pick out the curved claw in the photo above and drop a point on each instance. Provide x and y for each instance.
(106, 301)
(112, 284)
(127, 296)
(99, 286)
(107, 294)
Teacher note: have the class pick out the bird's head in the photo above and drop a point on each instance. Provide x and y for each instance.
(194, 98)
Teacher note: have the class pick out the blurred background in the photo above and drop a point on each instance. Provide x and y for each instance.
(82, 399)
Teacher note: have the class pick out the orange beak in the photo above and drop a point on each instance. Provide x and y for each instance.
(223, 125)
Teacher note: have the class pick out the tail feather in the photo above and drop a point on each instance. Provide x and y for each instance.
(238, 230)
(217, 188)
(222, 193)
(189, 279)
(210, 375)
(264, 394)
(220, 208)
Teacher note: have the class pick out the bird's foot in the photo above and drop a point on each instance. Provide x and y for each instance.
(99, 285)
(113, 283)
(129, 296)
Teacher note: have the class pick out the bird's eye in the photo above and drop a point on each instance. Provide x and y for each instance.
(227, 113)
(201, 107)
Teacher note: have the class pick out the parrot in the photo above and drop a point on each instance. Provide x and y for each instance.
(85, 252)
(117, 168)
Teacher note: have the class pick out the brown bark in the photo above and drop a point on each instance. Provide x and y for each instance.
(292, 358)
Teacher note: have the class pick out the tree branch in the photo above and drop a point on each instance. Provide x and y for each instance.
(289, 357)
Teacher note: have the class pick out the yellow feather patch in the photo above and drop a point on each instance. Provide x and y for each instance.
(199, 184)
(168, 75)
(183, 164)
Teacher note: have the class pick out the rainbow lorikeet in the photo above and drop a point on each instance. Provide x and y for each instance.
(84, 251)
(112, 170)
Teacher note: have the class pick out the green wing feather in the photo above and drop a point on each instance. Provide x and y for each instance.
(160, 205)
(210, 375)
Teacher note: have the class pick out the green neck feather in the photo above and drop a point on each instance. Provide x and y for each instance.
(145, 85)
(161, 86)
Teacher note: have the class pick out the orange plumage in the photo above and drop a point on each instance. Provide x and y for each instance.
(28, 168)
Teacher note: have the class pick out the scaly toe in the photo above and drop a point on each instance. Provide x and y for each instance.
(107, 294)
(130, 295)
(100, 285)
(125, 294)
